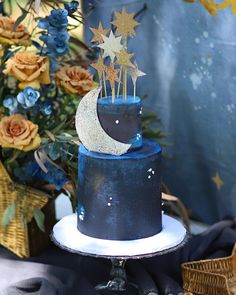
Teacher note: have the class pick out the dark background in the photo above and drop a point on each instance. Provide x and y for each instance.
(189, 58)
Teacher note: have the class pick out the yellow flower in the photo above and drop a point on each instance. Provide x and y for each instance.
(29, 68)
(8, 36)
(75, 80)
(19, 133)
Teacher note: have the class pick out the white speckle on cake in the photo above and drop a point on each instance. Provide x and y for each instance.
(110, 198)
(138, 135)
(149, 170)
(141, 111)
(153, 172)
(117, 122)
(109, 204)
(149, 176)
(81, 213)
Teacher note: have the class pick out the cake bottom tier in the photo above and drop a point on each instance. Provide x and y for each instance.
(120, 197)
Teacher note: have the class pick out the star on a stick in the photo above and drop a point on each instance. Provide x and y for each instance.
(28, 200)
(110, 46)
(112, 74)
(125, 23)
(123, 58)
(98, 33)
(218, 181)
(135, 73)
(99, 66)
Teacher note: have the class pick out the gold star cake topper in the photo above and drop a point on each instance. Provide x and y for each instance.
(114, 52)
(99, 66)
(135, 73)
(112, 76)
(125, 23)
(123, 58)
(98, 33)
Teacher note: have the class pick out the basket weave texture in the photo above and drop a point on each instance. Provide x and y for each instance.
(16, 235)
(210, 277)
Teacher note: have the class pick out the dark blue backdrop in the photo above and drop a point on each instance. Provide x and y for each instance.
(189, 58)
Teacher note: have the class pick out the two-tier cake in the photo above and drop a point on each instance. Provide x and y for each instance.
(119, 188)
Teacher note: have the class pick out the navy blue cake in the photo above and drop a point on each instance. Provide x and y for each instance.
(120, 196)
(122, 119)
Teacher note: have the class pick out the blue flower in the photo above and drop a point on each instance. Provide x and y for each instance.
(10, 103)
(58, 18)
(58, 44)
(71, 7)
(56, 39)
(31, 170)
(46, 108)
(28, 97)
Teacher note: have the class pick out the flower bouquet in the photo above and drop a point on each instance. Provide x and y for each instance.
(43, 74)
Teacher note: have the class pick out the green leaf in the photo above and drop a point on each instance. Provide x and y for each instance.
(9, 214)
(39, 218)
(20, 19)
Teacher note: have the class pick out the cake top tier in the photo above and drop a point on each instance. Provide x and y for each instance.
(130, 100)
(112, 124)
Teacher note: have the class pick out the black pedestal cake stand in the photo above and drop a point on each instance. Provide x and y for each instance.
(66, 235)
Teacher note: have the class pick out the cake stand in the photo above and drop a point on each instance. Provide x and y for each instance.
(66, 235)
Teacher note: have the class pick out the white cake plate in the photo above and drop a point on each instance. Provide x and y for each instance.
(66, 235)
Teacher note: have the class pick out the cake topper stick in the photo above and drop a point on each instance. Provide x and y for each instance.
(110, 45)
(104, 83)
(118, 89)
(125, 25)
(123, 59)
(100, 68)
(112, 76)
(135, 73)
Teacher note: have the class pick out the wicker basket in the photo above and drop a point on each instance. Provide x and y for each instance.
(22, 235)
(210, 277)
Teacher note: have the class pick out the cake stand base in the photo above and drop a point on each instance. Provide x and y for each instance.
(118, 281)
(66, 235)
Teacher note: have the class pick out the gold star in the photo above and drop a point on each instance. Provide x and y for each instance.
(27, 201)
(98, 33)
(135, 73)
(112, 74)
(125, 23)
(218, 181)
(99, 66)
(110, 46)
(123, 58)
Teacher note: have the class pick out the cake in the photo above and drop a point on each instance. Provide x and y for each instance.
(119, 197)
(119, 178)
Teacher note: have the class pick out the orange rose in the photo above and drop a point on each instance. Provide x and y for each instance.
(19, 133)
(75, 80)
(1, 54)
(29, 68)
(8, 36)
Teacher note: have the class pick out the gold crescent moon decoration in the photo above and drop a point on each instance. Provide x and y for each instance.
(90, 131)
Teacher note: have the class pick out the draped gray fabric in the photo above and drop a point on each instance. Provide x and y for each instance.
(189, 58)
